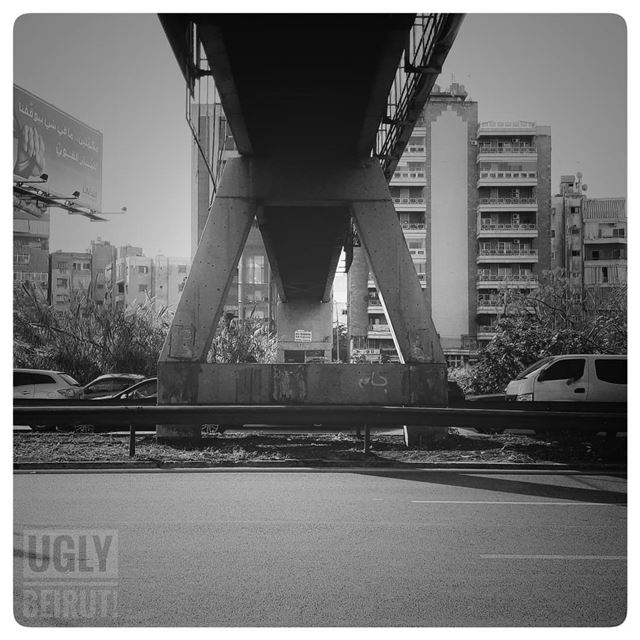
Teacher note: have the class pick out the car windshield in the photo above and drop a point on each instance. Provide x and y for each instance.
(69, 380)
(533, 367)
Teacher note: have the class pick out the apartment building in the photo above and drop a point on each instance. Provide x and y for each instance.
(31, 248)
(514, 215)
(169, 276)
(103, 255)
(588, 236)
(434, 192)
(474, 201)
(70, 273)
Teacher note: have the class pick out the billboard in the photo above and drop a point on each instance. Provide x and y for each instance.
(47, 140)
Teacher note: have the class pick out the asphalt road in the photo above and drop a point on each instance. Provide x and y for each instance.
(318, 548)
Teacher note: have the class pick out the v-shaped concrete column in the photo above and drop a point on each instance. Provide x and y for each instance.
(213, 268)
(380, 232)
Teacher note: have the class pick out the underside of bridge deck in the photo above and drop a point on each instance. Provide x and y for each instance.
(304, 96)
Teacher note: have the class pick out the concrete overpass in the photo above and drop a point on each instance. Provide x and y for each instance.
(320, 107)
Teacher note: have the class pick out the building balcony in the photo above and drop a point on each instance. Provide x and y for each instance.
(488, 230)
(414, 149)
(607, 262)
(486, 332)
(507, 128)
(508, 178)
(505, 154)
(489, 307)
(508, 255)
(514, 281)
(408, 177)
(379, 332)
(409, 204)
(507, 149)
(507, 204)
(409, 227)
(600, 239)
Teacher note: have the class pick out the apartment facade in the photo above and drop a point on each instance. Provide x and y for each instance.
(103, 255)
(474, 201)
(70, 274)
(434, 193)
(513, 215)
(168, 277)
(589, 236)
(31, 248)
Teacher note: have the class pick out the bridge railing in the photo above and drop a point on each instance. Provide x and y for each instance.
(427, 47)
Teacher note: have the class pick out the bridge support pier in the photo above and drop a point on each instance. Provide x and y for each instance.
(304, 211)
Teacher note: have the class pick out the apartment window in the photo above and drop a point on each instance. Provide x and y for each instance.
(255, 270)
(574, 209)
(553, 233)
(455, 361)
(605, 274)
(62, 283)
(142, 288)
(62, 266)
(575, 253)
(21, 258)
(142, 269)
(595, 255)
(618, 233)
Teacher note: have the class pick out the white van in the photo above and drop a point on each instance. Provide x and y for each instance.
(572, 378)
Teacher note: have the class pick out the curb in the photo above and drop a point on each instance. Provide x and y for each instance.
(309, 465)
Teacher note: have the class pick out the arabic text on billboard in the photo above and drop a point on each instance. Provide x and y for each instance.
(47, 140)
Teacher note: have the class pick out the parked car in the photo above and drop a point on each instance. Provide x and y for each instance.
(35, 384)
(109, 384)
(146, 389)
(572, 378)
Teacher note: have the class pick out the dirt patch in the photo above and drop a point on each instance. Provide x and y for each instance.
(236, 448)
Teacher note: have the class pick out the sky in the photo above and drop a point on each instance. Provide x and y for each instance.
(116, 73)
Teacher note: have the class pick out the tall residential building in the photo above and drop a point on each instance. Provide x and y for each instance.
(169, 277)
(514, 214)
(588, 236)
(70, 274)
(103, 255)
(451, 200)
(434, 192)
(31, 247)
(474, 201)
(133, 278)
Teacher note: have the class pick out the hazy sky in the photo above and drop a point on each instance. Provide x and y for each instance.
(117, 74)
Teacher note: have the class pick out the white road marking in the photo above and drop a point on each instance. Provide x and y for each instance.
(561, 504)
(501, 556)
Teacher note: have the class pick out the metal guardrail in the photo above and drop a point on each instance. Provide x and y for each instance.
(526, 415)
(554, 416)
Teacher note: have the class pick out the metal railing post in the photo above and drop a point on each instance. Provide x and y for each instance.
(367, 444)
(132, 440)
